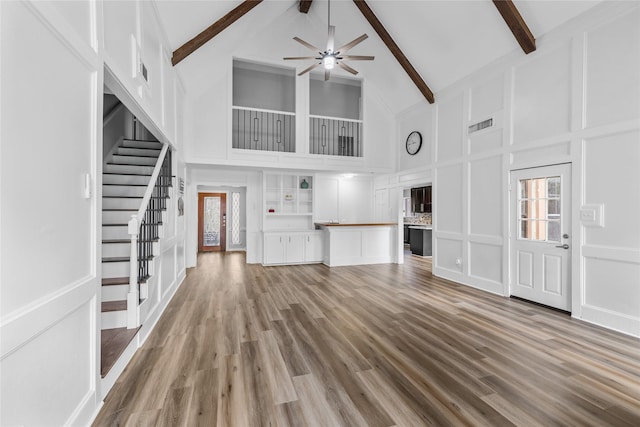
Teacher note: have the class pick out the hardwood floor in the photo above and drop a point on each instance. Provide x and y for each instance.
(381, 345)
(113, 342)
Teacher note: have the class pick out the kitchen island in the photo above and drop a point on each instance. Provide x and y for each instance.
(420, 239)
(358, 243)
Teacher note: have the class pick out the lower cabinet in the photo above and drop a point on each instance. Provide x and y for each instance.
(273, 249)
(292, 247)
(313, 247)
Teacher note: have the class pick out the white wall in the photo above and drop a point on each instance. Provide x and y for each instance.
(209, 111)
(575, 100)
(50, 75)
(335, 98)
(267, 87)
(52, 62)
(342, 199)
(114, 125)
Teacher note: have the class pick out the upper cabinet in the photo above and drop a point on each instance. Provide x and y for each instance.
(421, 199)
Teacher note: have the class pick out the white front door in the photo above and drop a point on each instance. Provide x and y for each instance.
(540, 235)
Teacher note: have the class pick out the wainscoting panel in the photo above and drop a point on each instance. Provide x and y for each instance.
(51, 377)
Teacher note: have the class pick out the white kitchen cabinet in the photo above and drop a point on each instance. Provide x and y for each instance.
(274, 247)
(313, 247)
(292, 247)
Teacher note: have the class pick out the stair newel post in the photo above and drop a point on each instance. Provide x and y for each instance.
(133, 298)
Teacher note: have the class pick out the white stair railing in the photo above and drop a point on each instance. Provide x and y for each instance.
(143, 230)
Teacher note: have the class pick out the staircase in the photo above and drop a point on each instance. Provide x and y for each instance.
(127, 174)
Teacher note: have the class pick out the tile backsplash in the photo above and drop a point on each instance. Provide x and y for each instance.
(422, 218)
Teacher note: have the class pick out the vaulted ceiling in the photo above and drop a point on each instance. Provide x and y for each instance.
(442, 40)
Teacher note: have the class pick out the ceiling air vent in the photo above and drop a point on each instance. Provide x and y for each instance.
(481, 125)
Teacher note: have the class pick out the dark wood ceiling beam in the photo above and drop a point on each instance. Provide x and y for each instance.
(395, 49)
(216, 28)
(517, 25)
(304, 5)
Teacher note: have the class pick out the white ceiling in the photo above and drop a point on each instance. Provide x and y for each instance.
(445, 40)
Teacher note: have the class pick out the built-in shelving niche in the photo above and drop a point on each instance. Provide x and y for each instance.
(263, 107)
(335, 119)
(288, 201)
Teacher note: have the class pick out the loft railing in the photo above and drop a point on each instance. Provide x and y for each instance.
(144, 229)
(264, 130)
(335, 137)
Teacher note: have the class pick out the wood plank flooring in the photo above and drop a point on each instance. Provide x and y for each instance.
(383, 345)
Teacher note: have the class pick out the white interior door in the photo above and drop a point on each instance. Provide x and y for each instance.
(540, 235)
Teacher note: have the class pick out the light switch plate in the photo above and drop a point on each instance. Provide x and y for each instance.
(592, 215)
(86, 191)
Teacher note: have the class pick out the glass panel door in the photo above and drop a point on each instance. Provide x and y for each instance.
(211, 229)
(540, 242)
(212, 222)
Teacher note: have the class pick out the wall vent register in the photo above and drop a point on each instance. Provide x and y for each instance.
(481, 125)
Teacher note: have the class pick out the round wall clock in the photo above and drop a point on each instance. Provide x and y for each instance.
(414, 142)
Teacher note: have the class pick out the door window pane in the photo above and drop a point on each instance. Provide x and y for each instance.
(540, 209)
(524, 230)
(524, 209)
(524, 188)
(211, 229)
(554, 231)
(235, 218)
(553, 186)
(554, 208)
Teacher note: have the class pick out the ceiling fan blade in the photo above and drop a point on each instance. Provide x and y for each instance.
(347, 68)
(331, 39)
(295, 58)
(327, 74)
(352, 43)
(357, 58)
(306, 44)
(306, 70)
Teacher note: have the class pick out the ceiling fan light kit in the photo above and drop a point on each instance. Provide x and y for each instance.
(330, 57)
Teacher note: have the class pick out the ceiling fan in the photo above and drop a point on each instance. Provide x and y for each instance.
(331, 57)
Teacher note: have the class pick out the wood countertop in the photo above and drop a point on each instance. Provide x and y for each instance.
(348, 224)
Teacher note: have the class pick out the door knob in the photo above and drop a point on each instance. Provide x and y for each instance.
(565, 246)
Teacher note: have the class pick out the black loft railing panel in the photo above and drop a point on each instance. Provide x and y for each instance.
(152, 220)
(263, 130)
(335, 137)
